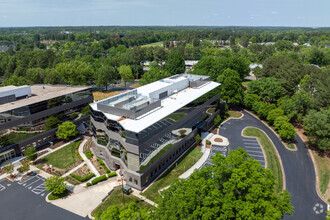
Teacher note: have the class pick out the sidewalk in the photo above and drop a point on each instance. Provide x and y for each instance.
(137, 194)
(74, 169)
(88, 162)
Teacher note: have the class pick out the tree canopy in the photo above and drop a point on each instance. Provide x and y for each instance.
(175, 63)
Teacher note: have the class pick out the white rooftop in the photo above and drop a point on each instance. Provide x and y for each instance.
(182, 95)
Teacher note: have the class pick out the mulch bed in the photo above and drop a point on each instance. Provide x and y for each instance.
(219, 140)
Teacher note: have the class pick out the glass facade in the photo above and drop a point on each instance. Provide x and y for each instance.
(34, 108)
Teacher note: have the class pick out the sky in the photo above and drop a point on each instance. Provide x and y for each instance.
(302, 13)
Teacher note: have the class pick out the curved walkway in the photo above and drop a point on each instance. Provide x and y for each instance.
(298, 168)
(88, 162)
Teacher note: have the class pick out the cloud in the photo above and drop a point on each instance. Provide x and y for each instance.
(274, 12)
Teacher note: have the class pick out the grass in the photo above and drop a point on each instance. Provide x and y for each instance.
(116, 198)
(176, 116)
(211, 110)
(290, 145)
(64, 157)
(136, 85)
(273, 162)
(156, 44)
(18, 137)
(323, 166)
(246, 83)
(98, 95)
(187, 161)
(234, 114)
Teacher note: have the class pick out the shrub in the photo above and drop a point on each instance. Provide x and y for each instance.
(56, 185)
(57, 196)
(208, 142)
(25, 167)
(273, 114)
(88, 154)
(250, 99)
(198, 138)
(217, 120)
(74, 116)
(78, 155)
(99, 179)
(279, 121)
(77, 145)
(82, 179)
(104, 166)
(112, 174)
(88, 184)
(286, 131)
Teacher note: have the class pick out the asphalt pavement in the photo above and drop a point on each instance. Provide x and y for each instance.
(26, 200)
(298, 167)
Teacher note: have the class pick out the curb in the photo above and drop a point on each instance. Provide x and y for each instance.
(278, 155)
(296, 149)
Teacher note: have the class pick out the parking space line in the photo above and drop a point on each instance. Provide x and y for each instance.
(256, 143)
(254, 151)
(249, 139)
(25, 180)
(39, 189)
(256, 155)
(251, 147)
(38, 179)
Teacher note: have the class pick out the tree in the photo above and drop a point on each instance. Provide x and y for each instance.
(31, 153)
(175, 63)
(65, 130)
(273, 114)
(126, 74)
(316, 125)
(286, 131)
(279, 121)
(55, 184)
(198, 138)
(75, 72)
(250, 99)
(105, 75)
(287, 70)
(51, 122)
(262, 108)
(155, 73)
(231, 86)
(235, 187)
(131, 211)
(269, 89)
(8, 168)
(25, 167)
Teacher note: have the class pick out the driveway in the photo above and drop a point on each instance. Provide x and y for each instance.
(298, 167)
(19, 201)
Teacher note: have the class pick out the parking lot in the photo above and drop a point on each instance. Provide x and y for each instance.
(34, 183)
(26, 200)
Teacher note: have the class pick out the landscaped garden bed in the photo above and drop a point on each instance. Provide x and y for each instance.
(62, 160)
(100, 168)
(219, 140)
(81, 175)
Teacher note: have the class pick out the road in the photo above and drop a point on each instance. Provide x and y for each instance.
(298, 168)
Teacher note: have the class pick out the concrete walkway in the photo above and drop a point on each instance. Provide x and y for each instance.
(206, 152)
(88, 162)
(87, 199)
(74, 169)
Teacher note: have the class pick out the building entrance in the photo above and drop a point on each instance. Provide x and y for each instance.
(7, 155)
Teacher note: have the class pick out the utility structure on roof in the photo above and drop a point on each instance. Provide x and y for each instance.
(142, 131)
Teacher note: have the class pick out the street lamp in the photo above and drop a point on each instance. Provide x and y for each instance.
(122, 188)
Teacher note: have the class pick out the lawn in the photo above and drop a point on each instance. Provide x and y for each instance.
(136, 85)
(234, 114)
(156, 44)
(176, 116)
(273, 162)
(323, 166)
(290, 145)
(18, 137)
(116, 198)
(211, 110)
(98, 95)
(62, 158)
(187, 161)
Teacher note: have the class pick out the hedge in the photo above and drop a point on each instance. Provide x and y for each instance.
(88, 154)
(82, 179)
(112, 174)
(104, 166)
(78, 155)
(77, 146)
(99, 179)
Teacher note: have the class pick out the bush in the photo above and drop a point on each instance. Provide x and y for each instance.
(73, 116)
(25, 167)
(250, 99)
(88, 154)
(279, 121)
(104, 166)
(273, 114)
(88, 184)
(83, 179)
(99, 179)
(56, 185)
(208, 142)
(78, 155)
(112, 174)
(55, 196)
(198, 138)
(77, 145)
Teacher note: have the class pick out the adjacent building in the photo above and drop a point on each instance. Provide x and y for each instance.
(24, 110)
(142, 131)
